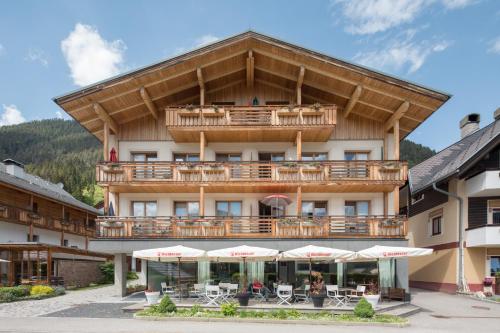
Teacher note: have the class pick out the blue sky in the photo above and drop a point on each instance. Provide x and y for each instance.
(48, 48)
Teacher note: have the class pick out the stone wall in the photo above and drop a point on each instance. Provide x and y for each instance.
(79, 272)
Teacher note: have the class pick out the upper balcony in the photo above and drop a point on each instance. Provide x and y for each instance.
(316, 176)
(251, 123)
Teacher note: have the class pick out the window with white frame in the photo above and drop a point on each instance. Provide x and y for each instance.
(436, 222)
(416, 198)
(494, 212)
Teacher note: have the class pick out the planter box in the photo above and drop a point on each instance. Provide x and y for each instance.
(210, 112)
(114, 170)
(152, 297)
(372, 299)
(318, 301)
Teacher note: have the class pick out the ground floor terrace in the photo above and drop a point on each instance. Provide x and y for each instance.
(390, 273)
(40, 263)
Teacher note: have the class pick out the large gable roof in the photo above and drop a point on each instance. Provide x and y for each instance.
(326, 80)
(452, 159)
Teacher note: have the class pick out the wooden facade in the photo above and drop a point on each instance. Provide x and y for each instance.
(252, 90)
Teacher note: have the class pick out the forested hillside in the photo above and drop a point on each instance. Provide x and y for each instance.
(62, 151)
(57, 150)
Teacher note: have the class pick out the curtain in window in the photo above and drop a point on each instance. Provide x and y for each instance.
(203, 271)
(255, 270)
(387, 273)
(340, 274)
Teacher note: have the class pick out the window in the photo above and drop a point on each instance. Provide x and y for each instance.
(314, 208)
(493, 212)
(36, 238)
(436, 225)
(66, 216)
(228, 208)
(65, 242)
(228, 157)
(145, 157)
(356, 155)
(274, 157)
(357, 208)
(187, 208)
(186, 157)
(144, 208)
(35, 207)
(494, 265)
(314, 156)
(416, 198)
(495, 216)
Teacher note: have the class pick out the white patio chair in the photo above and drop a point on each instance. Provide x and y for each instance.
(285, 294)
(213, 294)
(356, 295)
(332, 292)
(167, 290)
(257, 294)
(199, 292)
(231, 291)
(302, 295)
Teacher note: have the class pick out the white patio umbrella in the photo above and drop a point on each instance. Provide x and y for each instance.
(3, 260)
(276, 201)
(316, 253)
(171, 254)
(243, 253)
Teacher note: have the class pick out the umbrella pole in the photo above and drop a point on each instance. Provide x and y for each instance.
(179, 278)
(244, 275)
(310, 271)
(379, 280)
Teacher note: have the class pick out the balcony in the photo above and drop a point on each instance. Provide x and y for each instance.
(251, 123)
(483, 236)
(486, 183)
(330, 227)
(239, 176)
(26, 217)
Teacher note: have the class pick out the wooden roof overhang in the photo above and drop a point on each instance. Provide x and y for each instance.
(252, 58)
(34, 246)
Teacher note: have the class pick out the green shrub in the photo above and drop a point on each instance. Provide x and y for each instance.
(6, 297)
(108, 272)
(293, 313)
(41, 290)
(195, 309)
(17, 291)
(364, 309)
(279, 314)
(229, 309)
(166, 305)
(132, 276)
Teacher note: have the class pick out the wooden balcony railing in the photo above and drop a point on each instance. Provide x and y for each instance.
(269, 115)
(255, 172)
(253, 227)
(26, 217)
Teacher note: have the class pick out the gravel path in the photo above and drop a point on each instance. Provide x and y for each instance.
(49, 305)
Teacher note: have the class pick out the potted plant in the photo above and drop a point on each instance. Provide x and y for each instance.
(316, 291)
(488, 286)
(243, 298)
(372, 295)
(152, 297)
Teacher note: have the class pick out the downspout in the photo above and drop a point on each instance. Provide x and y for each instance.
(462, 284)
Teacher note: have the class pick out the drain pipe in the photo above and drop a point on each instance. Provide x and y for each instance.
(462, 284)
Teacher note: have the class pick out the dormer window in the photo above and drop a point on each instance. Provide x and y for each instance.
(417, 197)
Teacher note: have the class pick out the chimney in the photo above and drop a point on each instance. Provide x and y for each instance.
(496, 114)
(469, 124)
(14, 168)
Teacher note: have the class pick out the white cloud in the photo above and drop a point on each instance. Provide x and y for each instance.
(59, 115)
(372, 16)
(11, 115)
(37, 55)
(90, 57)
(402, 53)
(205, 40)
(495, 46)
(2, 49)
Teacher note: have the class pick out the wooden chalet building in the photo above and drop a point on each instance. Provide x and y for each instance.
(199, 140)
(44, 232)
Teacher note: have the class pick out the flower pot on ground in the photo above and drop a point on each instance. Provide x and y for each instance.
(243, 299)
(318, 300)
(373, 299)
(152, 297)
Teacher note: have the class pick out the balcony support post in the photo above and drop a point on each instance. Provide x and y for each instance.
(49, 265)
(299, 200)
(298, 142)
(106, 199)
(250, 69)
(396, 140)
(203, 143)
(105, 144)
(201, 82)
(202, 201)
(386, 204)
(300, 80)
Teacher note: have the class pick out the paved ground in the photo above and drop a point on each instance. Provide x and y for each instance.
(442, 313)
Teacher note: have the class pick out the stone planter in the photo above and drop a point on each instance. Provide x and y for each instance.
(318, 300)
(372, 299)
(152, 297)
(243, 299)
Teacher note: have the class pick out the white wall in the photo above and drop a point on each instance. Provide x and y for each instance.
(165, 201)
(250, 150)
(11, 232)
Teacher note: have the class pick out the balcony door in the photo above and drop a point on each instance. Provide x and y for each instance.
(356, 168)
(228, 208)
(235, 168)
(355, 212)
(314, 156)
(142, 170)
(187, 209)
(311, 209)
(186, 157)
(144, 208)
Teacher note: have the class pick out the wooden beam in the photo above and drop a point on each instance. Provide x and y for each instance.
(105, 117)
(395, 195)
(149, 103)
(49, 265)
(298, 142)
(250, 69)
(106, 200)
(201, 83)
(105, 143)
(353, 100)
(386, 204)
(400, 112)
(300, 80)
(396, 140)
(202, 201)
(202, 146)
(299, 200)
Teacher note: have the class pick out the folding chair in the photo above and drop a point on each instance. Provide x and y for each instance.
(231, 291)
(199, 292)
(356, 295)
(167, 290)
(213, 295)
(332, 292)
(285, 294)
(302, 295)
(257, 294)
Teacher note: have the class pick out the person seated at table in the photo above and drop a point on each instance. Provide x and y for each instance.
(261, 288)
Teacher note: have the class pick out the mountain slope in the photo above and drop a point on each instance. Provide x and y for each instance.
(57, 150)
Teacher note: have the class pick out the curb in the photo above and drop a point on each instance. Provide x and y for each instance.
(271, 321)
